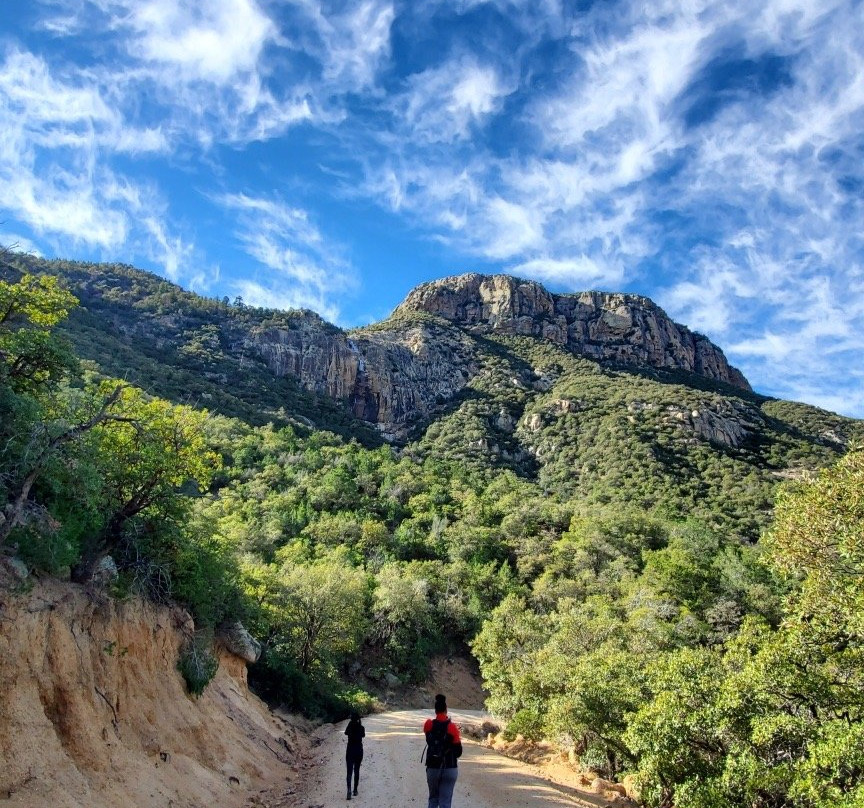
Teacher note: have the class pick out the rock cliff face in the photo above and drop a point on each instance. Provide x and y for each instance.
(626, 329)
(395, 373)
(399, 372)
(390, 376)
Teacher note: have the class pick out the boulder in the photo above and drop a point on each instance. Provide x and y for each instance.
(236, 639)
(105, 571)
(15, 566)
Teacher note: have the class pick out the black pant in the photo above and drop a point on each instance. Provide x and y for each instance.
(352, 764)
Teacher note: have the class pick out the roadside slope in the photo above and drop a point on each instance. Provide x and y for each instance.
(93, 711)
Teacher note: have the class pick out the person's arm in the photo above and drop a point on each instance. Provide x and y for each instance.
(456, 739)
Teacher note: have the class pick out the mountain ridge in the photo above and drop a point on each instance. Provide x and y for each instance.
(388, 377)
(605, 518)
(604, 326)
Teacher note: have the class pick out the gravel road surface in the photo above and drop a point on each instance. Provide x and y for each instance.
(393, 777)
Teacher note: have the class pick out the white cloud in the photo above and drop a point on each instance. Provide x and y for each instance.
(579, 272)
(26, 85)
(443, 103)
(55, 149)
(63, 203)
(275, 295)
(213, 41)
(201, 67)
(308, 271)
(356, 43)
(799, 261)
(624, 89)
(508, 229)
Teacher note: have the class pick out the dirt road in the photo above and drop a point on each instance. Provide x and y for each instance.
(393, 777)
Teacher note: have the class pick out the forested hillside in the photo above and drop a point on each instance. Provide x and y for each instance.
(606, 540)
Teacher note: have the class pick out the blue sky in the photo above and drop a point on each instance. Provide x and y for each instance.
(332, 155)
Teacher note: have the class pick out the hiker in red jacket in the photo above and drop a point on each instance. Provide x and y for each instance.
(443, 747)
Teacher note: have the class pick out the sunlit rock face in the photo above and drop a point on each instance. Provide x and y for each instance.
(390, 375)
(396, 372)
(627, 329)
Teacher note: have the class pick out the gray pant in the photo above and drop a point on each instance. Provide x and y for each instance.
(441, 783)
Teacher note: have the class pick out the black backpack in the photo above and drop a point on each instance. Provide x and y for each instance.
(438, 741)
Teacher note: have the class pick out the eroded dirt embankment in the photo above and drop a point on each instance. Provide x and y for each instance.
(94, 713)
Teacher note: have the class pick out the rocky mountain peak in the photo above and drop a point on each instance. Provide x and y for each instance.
(604, 326)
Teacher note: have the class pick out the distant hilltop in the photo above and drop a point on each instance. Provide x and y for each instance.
(398, 371)
(626, 329)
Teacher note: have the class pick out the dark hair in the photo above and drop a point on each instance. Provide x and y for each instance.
(355, 716)
(440, 704)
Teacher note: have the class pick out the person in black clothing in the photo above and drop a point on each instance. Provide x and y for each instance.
(356, 732)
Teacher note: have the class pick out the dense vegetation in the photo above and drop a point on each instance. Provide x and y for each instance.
(567, 522)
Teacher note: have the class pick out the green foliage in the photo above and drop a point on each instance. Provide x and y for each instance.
(197, 664)
(323, 609)
(774, 717)
(819, 533)
(31, 356)
(147, 449)
(528, 723)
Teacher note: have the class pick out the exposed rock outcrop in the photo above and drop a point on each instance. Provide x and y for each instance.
(397, 372)
(627, 329)
(730, 427)
(238, 641)
(389, 375)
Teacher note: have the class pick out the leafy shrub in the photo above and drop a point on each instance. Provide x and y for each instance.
(197, 664)
(527, 723)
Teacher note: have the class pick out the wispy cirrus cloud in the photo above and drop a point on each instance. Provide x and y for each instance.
(708, 154)
(213, 42)
(198, 68)
(307, 269)
(58, 131)
(579, 271)
(354, 42)
(778, 191)
(444, 103)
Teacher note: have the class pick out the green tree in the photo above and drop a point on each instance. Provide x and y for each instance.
(40, 422)
(506, 648)
(148, 450)
(44, 439)
(323, 608)
(403, 615)
(776, 716)
(31, 355)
